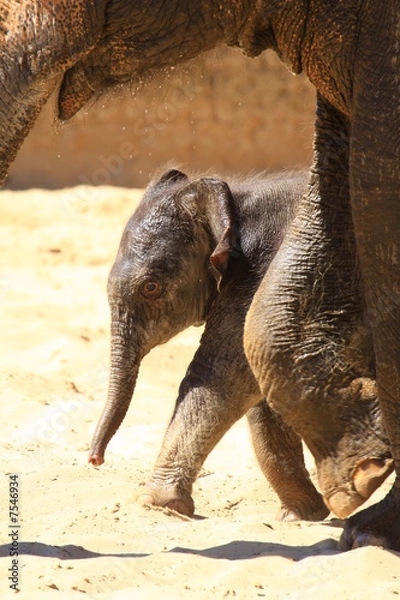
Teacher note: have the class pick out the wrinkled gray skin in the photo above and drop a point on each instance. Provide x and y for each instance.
(350, 51)
(195, 252)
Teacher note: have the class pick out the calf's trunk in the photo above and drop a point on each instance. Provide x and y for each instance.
(124, 368)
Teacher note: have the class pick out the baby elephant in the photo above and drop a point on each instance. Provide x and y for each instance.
(195, 252)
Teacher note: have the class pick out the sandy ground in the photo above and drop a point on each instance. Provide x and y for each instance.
(81, 534)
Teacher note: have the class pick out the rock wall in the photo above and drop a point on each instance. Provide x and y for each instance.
(223, 112)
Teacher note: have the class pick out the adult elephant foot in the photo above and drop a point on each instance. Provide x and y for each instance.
(378, 525)
(167, 496)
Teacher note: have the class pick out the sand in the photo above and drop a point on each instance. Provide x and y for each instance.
(81, 534)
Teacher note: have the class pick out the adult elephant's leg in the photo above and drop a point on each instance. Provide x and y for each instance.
(303, 331)
(38, 40)
(375, 193)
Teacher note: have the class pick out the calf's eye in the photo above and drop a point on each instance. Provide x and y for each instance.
(151, 290)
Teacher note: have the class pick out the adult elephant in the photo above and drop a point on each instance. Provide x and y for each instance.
(351, 53)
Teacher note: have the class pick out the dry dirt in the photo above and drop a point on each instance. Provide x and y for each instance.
(81, 534)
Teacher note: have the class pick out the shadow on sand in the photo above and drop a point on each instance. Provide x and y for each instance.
(68, 552)
(242, 550)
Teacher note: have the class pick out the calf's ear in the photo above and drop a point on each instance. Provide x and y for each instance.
(224, 249)
(222, 221)
(173, 176)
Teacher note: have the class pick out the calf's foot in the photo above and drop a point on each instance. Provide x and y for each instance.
(167, 496)
(300, 500)
(309, 512)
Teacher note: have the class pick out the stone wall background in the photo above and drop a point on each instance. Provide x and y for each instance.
(223, 112)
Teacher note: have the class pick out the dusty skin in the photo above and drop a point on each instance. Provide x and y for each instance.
(82, 535)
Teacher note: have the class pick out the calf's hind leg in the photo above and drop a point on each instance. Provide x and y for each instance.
(279, 453)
